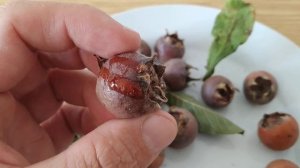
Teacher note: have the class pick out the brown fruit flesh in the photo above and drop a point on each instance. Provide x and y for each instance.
(278, 131)
(130, 85)
(260, 87)
(187, 127)
(282, 163)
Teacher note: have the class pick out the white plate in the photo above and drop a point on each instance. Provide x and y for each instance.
(265, 50)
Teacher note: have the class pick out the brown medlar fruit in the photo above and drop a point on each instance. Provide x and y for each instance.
(187, 127)
(168, 47)
(278, 131)
(130, 84)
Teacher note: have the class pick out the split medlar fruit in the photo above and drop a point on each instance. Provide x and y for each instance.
(168, 47)
(187, 127)
(278, 131)
(130, 84)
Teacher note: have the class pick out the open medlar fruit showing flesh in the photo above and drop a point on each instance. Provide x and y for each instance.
(130, 84)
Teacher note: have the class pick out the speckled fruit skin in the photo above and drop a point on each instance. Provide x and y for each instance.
(130, 85)
(278, 131)
(168, 47)
(260, 87)
(217, 91)
(282, 163)
(187, 127)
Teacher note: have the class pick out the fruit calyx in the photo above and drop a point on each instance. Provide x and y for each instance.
(271, 120)
(174, 40)
(224, 93)
(262, 87)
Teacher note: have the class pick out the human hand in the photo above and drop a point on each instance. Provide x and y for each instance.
(46, 97)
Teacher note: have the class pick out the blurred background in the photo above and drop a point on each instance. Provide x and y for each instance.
(281, 15)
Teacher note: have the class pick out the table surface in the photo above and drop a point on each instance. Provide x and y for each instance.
(281, 15)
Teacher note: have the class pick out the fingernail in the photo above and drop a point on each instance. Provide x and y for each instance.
(158, 132)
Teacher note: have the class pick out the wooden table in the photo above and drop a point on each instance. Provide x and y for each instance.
(282, 15)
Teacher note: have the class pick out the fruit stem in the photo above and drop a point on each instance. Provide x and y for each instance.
(188, 79)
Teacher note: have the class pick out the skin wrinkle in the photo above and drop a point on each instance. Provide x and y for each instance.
(10, 118)
(52, 81)
(22, 89)
(112, 149)
(104, 150)
(126, 153)
(136, 149)
(11, 30)
(39, 137)
(81, 159)
(96, 160)
(11, 161)
(66, 121)
(14, 14)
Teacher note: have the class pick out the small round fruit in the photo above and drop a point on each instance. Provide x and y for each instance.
(130, 85)
(168, 47)
(176, 74)
(158, 161)
(187, 127)
(217, 91)
(145, 49)
(260, 87)
(278, 131)
(282, 163)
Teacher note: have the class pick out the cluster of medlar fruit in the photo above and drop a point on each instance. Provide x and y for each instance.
(132, 84)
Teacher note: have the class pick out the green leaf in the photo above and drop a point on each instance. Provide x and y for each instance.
(210, 122)
(232, 28)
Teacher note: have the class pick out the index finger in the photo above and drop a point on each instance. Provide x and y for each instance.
(27, 27)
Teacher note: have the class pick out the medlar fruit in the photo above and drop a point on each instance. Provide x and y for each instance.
(282, 163)
(130, 84)
(278, 131)
(176, 74)
(187, 127)
(217, 91)
(168, 47)
(260, 87)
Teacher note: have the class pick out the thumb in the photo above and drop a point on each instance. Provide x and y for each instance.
(119, 143)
